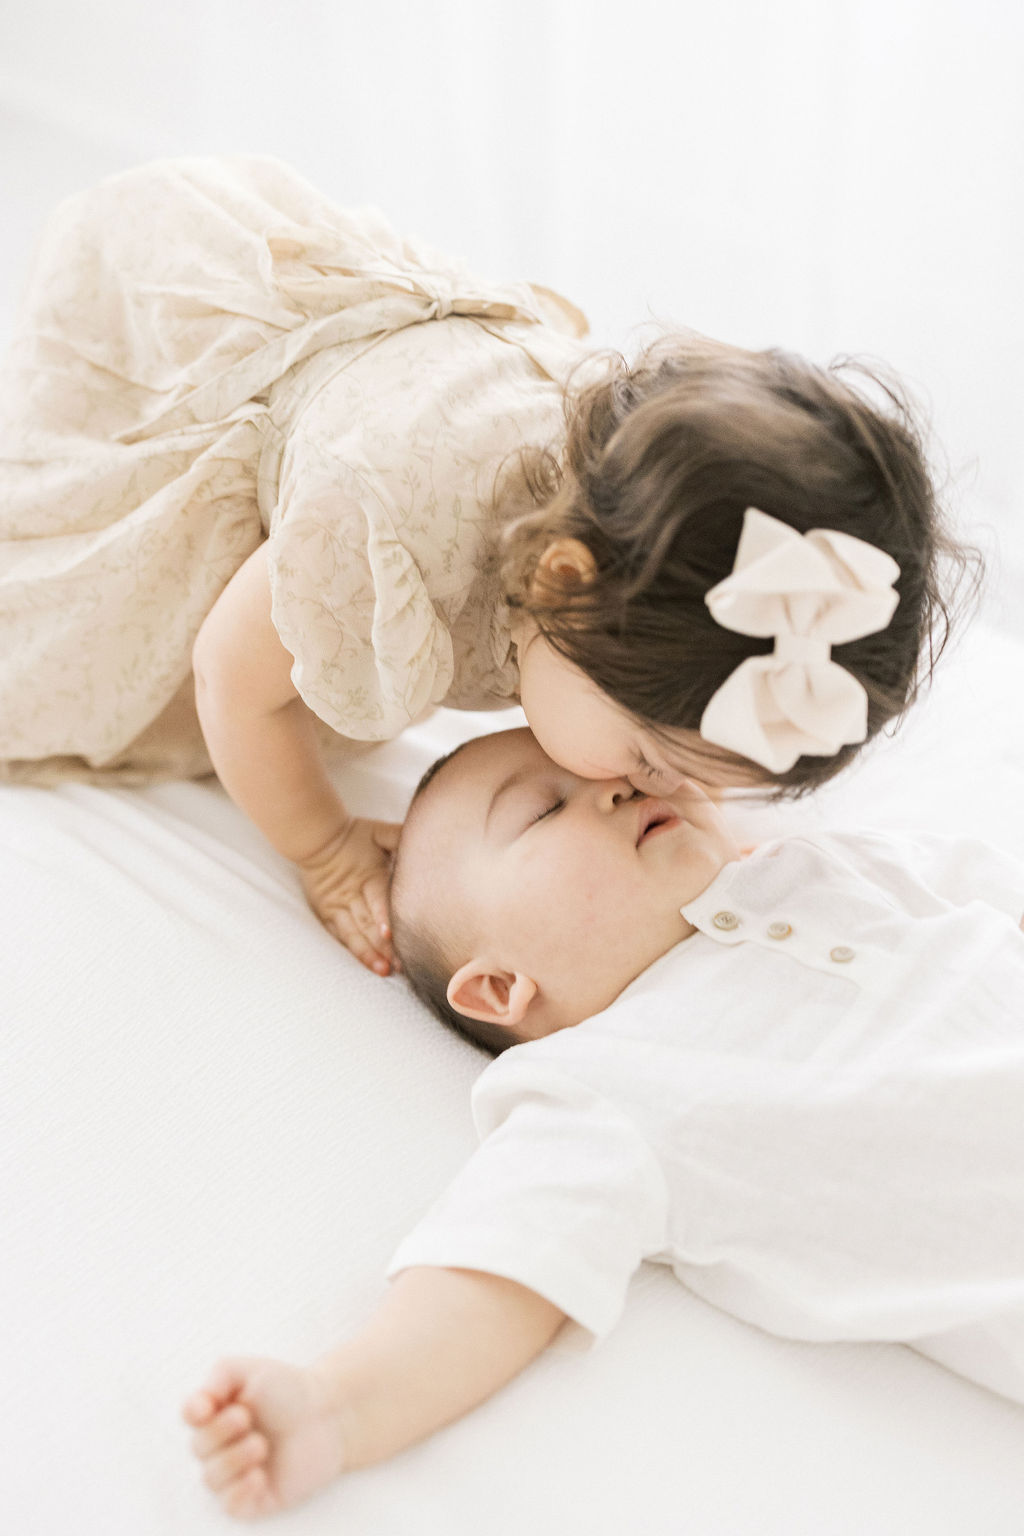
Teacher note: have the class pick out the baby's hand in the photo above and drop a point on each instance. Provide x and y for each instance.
(346, 885)
(267, 1434)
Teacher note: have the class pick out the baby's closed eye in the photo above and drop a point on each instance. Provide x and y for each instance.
(549, 810)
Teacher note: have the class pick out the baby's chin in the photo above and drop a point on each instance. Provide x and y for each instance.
(690, 854)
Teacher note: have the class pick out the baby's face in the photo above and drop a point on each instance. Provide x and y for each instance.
(573, 883)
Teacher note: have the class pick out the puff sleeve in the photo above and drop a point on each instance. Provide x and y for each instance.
(349, 602)
(388, 498)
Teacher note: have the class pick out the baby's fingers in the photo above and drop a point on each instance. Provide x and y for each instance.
(223, 1384)
(225, 1428)
(224, 1467)
(249, 1495)
(199, 1408)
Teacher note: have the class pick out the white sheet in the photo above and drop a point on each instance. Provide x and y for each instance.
(217, 1127)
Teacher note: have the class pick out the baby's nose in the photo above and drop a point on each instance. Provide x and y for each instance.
(614, 792)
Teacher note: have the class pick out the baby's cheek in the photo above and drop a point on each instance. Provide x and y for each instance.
(558, 907)
(612, 909)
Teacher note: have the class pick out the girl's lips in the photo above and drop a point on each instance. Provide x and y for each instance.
(655, 816)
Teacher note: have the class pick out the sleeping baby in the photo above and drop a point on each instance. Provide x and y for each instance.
(795, 1077)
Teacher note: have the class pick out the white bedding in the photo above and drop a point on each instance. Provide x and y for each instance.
(217, 1127)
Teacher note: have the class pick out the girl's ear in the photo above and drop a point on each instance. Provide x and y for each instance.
(494, 996)
(566, 562)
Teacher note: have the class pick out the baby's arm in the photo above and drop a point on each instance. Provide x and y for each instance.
(442, 1341)
(263, 743)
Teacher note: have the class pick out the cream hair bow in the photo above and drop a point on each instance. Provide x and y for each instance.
(810, 591)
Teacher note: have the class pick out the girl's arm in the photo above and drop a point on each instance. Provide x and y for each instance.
(263, 743)
(443, 1340)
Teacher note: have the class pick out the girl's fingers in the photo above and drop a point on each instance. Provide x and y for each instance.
(355, 940)
(375, 892)
(368, 928)
(368, 917)
(386, 834)
(361, 916)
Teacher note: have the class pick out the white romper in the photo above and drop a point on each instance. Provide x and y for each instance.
(812, 1109)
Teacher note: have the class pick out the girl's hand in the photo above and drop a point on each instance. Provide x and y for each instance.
(267, 1434)
(346, 885)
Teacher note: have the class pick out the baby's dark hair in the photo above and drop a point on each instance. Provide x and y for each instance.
(422, 953)
(662, 458)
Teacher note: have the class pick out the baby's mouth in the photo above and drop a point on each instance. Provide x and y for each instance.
(655, 816)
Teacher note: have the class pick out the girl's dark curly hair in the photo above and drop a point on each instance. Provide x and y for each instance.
(661, 460)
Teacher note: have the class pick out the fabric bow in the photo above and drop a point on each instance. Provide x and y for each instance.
(810, 591)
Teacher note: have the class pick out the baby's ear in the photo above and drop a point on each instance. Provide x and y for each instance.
(495, 996)
(566, 563)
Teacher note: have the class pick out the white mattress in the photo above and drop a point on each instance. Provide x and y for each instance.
(217, 1127)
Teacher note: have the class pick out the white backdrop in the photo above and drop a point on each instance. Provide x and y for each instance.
(834, 177)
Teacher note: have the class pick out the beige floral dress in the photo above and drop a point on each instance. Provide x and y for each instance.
(212, 354)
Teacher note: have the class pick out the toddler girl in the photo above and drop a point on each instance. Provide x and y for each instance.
(274, 482)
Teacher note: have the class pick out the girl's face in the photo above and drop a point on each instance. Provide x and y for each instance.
(587, 732)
